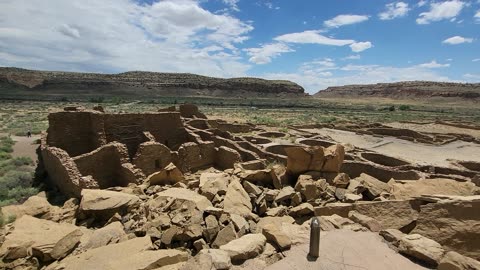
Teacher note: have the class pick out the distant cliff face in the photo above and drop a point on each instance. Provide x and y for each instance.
(140, 84)
(414, 89)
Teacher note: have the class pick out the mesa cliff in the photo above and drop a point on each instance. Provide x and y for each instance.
(17, 82)
(405, 90)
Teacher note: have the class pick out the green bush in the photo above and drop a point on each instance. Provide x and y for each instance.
(404, 108)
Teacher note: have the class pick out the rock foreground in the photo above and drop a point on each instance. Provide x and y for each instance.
(175, 190)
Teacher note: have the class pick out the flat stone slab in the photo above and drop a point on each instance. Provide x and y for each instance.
(346, 250)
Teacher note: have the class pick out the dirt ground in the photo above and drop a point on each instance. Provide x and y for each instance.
(436, 128)
(25, 147)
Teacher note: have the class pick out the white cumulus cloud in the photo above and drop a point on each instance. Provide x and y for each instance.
(361, 46)
(457, 40)
(345, 19)
(433, 64)
(394, 10)
(266, 53)
(441, 11)
(314, 37)
(477, 16)
(120, 35)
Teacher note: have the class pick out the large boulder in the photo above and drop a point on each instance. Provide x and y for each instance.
(334, 156)
(277, 221)
(303, 159)
(236, 200)
(110, 234)
(309, 189)
(212, 184)
(227, 157)
(368, 222)
(454, 261)
(105, 203)
(41, 237)
(373, 186)
(245, 247)
(167, 176)
(225, 235)
(341, 209)
(453, 223)
(276, 236)
(133, 254)
(182, 195)
(35, 206)
(421, 248)
(399, 215)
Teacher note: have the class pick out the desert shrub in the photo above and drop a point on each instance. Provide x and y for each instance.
(97, 99)
(21, 161)
(6, 144)
(404, 108)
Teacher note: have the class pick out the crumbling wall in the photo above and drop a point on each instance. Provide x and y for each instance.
(105, 165)
(63, 172)
(152, 157)
(73, 132)
(80, 132)
(192, 156)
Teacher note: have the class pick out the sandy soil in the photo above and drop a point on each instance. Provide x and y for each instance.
(413, 152)
(25, 147)
(435, 128)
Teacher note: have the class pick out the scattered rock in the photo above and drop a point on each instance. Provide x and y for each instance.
(366, 221)
(341, 180)
(167, 176)
(182, 194)
(304, 209)
(220, 258)
(276, 236)
(227, 157)
(459, 223)
(136, 253)
(40, 236)
(104, 203)
(245, 247)
(373, 186)
(66, 245)
(252, 188)
(236, 200)
(225, 236)
(285, 194)
(454, 261)
(338, 208)
(421, 248)
(392, 235)
(334, 156)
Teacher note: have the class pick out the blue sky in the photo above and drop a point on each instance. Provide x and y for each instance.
(314, 43)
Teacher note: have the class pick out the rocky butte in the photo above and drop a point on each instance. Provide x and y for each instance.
(405, 90)
(17, 82)
(173, 189)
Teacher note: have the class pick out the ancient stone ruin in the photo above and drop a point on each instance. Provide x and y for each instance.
(175, 190)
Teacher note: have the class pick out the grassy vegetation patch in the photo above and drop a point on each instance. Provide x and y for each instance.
(16, 174)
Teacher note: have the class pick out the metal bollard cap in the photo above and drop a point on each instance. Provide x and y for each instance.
(315, 223)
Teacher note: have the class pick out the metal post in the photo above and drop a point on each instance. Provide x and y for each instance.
(314, 238)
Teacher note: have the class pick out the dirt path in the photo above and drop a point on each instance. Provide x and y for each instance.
(25, 147)
(413, 152)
